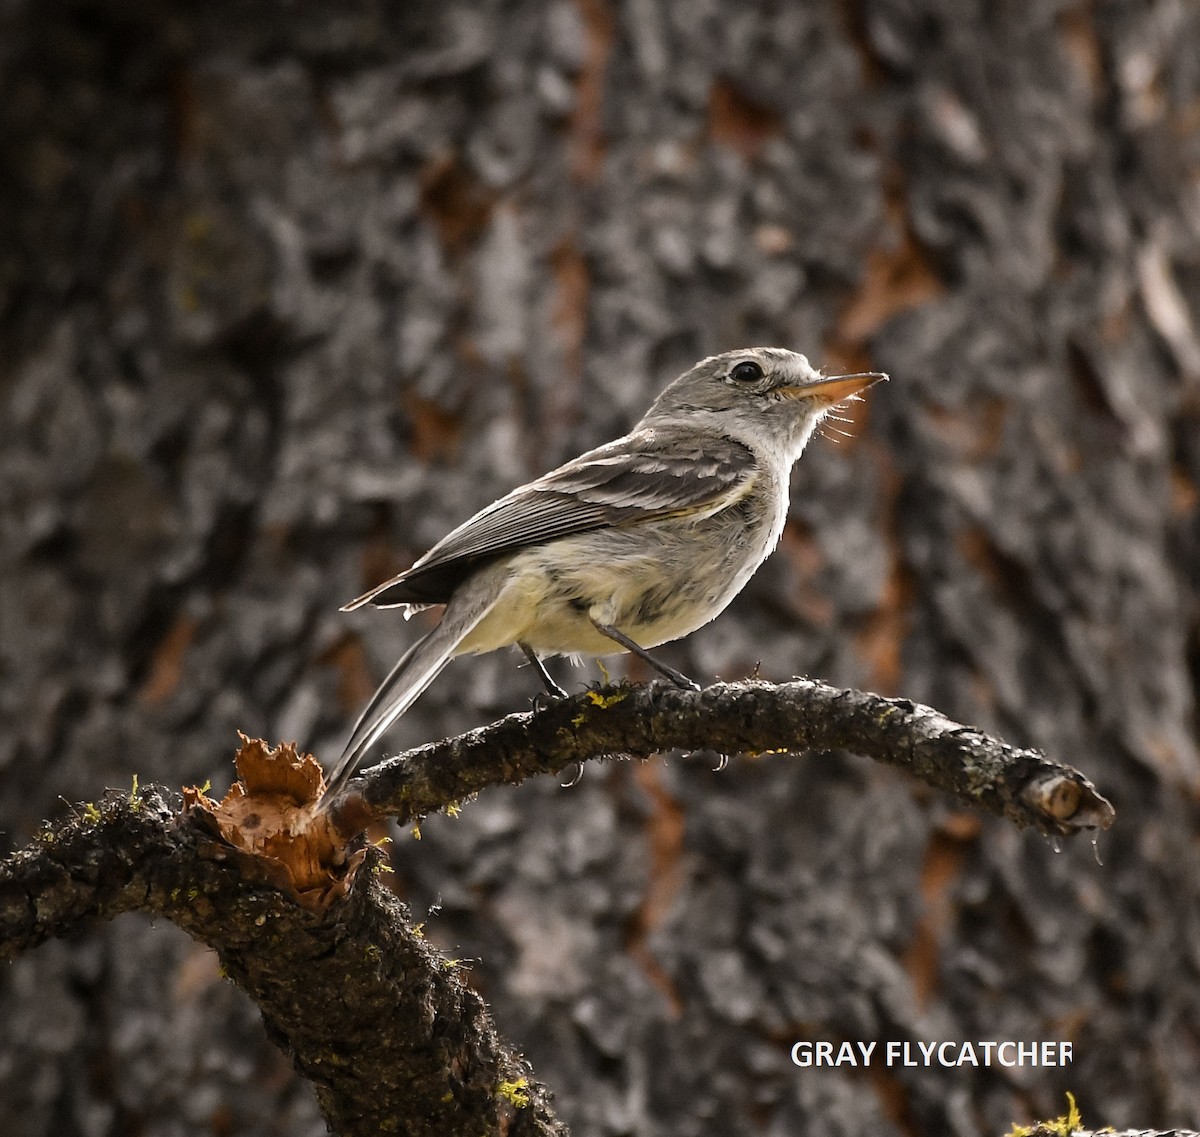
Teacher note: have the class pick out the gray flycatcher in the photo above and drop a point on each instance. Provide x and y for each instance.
(628, 546)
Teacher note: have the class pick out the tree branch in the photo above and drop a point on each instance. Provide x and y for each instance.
(733, 718)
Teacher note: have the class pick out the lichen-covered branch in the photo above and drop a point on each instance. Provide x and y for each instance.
(385, 1028)
(749, 717)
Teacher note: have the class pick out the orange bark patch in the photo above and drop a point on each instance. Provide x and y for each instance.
(455, 202)
(354, 683)
(1184, 494)
(587, 123)
(184, 113)
(664, 836)
(800, 548)
(895, 278)
(893, 281)
(436, 433)
(1006, 576)
(166, 668)
(945, 857)
(739, 123)
(573, 286)
(893, 1098)
(1078, 29)
(975, 434)
(880, 641)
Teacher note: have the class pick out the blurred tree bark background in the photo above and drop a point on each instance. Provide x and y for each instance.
(287, 291)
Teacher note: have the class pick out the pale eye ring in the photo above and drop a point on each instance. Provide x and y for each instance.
(746, 372)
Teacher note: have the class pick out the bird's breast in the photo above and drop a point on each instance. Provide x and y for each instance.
(655, 581)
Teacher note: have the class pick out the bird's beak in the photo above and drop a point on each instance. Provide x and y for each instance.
(835, 388)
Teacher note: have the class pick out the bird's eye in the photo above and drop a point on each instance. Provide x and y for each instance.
(746, 372)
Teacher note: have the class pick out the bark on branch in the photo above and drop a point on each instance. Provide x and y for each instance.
(734, 718)
(385, 1028)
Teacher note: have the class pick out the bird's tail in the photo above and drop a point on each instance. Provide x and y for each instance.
(417, 668)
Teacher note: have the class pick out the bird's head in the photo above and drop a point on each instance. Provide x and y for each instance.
(764, 393)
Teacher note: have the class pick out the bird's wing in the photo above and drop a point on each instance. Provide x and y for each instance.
(651, 473)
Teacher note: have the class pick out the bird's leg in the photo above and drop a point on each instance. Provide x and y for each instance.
(552, 688)
(676, 677)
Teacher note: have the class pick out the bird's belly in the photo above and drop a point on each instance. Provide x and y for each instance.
(654, 585)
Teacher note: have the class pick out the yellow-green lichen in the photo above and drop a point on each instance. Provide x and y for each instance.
(601, 700)
(605, 701)
(1063, 1126)
(515, 1092)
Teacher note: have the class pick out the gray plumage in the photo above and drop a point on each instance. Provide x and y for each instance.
(628, 546)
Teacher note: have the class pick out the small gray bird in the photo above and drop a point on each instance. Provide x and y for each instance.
(628, 546)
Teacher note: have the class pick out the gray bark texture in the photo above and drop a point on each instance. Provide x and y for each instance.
(289, 290)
